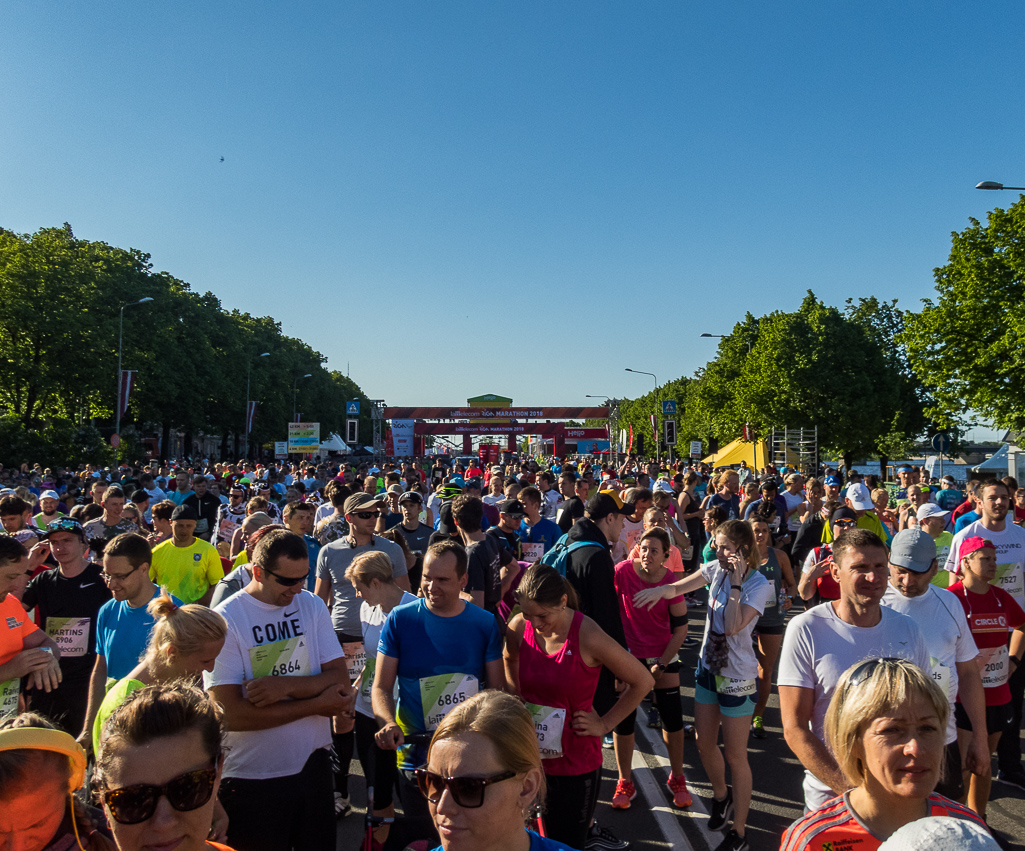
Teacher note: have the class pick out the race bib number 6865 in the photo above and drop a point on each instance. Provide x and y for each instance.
(441, 693)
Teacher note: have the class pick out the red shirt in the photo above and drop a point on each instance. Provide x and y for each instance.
(990, 616)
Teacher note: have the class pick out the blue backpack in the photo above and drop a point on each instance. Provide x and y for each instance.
(558, 555)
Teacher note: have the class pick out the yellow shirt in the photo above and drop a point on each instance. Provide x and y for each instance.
(186, 572)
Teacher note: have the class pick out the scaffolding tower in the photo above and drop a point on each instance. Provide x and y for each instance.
(796, 447)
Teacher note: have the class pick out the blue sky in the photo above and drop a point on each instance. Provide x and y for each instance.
(518, 198)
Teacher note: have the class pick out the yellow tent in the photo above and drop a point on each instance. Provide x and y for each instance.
(755, 454)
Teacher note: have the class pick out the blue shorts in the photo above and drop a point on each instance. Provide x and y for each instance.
(730, 705)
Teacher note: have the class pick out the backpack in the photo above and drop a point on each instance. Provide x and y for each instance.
(558, 555)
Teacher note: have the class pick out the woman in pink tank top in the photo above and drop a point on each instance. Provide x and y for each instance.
(553, 656)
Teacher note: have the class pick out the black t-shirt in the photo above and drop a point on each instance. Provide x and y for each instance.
(417, 539)
(569, 512)
(509, 540)
(206, 507)
(67, 613)
(484, 569)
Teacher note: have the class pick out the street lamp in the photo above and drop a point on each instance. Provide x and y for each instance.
(120, 341)
(295, 390)
(657, 435)
(992, 184)
(245, 418)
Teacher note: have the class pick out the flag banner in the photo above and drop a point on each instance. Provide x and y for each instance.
(125, 385)
(250, 416)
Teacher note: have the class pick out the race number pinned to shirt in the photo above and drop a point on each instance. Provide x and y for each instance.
(733, 687)
(941, 676)
(549, 723)
(1011, 578)
(71, 635)
(355, 657)
(996, 668)
(533, 552)
(9, 698)
(440, 693)
(289, 657)
(366, 683)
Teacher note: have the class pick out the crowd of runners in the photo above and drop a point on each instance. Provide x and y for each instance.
(476, 634)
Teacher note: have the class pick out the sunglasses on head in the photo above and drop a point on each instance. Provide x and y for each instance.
(287, 581)
(135, 804)
(467, 792)
(865, 670)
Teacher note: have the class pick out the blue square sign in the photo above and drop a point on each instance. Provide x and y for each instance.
(668, 407)
(352, 409)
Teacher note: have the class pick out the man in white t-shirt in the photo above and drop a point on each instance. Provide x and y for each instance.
(953, 653)
(280, 677)
(993, 500)
(823, 642)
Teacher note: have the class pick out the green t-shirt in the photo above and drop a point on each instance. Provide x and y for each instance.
(117, 695)
(943, 578)
(186, 572)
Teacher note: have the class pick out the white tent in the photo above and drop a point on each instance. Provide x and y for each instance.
(334, 443)
(997, 462)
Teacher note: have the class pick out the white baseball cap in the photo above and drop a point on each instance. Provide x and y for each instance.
(860, 497)
(930, 509)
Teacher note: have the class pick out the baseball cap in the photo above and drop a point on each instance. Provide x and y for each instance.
(185, 512)
(49, 495)
(968, 546)
(930, 509)
(663, 486)
(411, 496)
(913, 549)
(395, 489)
(843, 513)
(139, 496)
(604, 503)
(832, 480)
(450, 491)
(512, 507)
(472, 483)
(860, 497)
(65, 524)
(357, 501)
(940, 833)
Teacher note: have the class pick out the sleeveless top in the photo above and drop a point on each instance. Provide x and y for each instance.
(774, 614)
(563, 681)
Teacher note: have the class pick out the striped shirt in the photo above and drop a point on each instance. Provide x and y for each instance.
(836, 827)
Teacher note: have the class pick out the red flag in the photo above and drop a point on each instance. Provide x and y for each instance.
(251, 416)
(630, 445)
(127, 381)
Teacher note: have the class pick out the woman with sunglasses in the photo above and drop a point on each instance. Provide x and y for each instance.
(886, 725)
(483, 777)
(553, 658)
(159, 769)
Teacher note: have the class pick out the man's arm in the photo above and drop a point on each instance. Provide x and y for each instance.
(973, 699)
(494, 674)
(207, 596)
(389, 736)
(97, 689)
(797, 706)
(35, 662)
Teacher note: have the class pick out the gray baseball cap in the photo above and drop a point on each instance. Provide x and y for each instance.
(913, 549)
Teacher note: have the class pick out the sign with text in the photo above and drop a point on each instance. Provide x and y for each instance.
(695, 449)
(304, 437)
(525, 413)
(280, 449)
(402, 437)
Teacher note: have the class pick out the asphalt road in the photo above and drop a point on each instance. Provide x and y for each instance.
(653, 823)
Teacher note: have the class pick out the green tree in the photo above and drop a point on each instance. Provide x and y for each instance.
(968, 345)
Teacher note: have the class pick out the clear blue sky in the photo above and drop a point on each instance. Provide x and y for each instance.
(520, 198)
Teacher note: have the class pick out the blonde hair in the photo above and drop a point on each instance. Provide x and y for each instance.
(184, 628)
(894, 683)
(369, 566)
(506, 723)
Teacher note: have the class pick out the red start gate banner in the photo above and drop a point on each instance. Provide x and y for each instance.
(495, 414)
(570, 434)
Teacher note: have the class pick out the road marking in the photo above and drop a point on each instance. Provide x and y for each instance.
(664, 817)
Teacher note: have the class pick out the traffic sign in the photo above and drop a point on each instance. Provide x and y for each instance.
(668, 407)
(352, 408)
(941, 442)
(115, 440)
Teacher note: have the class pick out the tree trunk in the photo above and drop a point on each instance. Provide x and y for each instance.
(883, 461)
(224, 445)
(187, 444)
(165, 440)
(847, 460)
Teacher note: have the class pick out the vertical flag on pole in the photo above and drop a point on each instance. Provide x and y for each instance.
(630, 445)
(251, 416)
(654, 433)
(125, 388)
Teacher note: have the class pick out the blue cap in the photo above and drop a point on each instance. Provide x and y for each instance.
(833, 480)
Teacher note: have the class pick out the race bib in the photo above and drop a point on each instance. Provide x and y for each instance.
(9, 697)
(734, 688)
(366, 683)
(355, 658)
(1011, 578)
(70, 634)
(289, 657)
(549, 723)
(941, 676)
(631, 538)
(996, 668)
(226, 529)
(440, 693)
(533, 552)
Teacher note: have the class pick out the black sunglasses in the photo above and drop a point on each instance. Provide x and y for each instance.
(287, 581)
(467, 792)
(366, 515)
(135, 804)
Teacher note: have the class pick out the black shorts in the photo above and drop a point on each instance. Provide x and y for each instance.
(772, 629)
(999, 719)
(951, 783)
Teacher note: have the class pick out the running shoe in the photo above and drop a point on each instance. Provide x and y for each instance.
(681, 795)
(1015, 777)
(654, 720)
(757, 727)
(733, 842)
(721, 812)
(607, 742)
(625, 793)
(603, 839)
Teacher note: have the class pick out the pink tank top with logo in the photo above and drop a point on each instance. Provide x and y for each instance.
(562, 681)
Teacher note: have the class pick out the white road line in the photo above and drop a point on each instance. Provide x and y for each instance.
(696, 811)
(665, 817)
